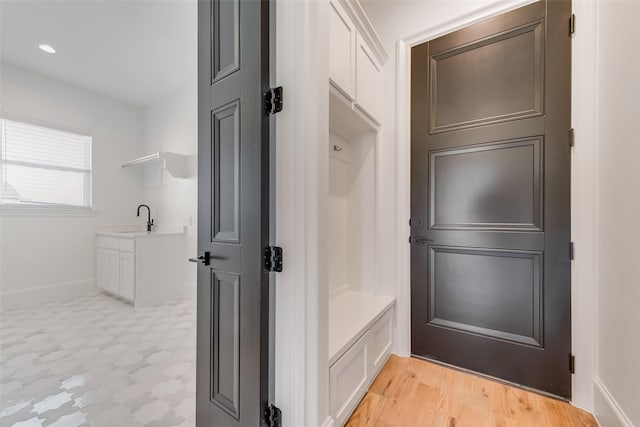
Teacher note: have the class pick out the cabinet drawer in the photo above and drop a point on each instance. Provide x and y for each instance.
(349, 379)
(108, 242)
(127, 245)
(380, 340)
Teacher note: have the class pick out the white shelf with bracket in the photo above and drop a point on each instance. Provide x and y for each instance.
(149, 170)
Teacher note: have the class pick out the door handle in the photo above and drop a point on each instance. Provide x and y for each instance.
(204, 258)
(420, 240)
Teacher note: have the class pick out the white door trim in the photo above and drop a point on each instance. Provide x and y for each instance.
(302, 129)
(583, 185)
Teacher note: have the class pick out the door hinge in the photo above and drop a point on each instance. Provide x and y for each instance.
(273, 416)
(572, 363)
(572, 24)
(273, 100)
(572, 250)
(273, 258)
(572, 137)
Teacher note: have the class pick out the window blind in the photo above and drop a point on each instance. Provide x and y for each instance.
(44, 166)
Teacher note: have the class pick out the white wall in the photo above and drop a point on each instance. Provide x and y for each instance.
(47, 256)
(618, 210)
(171, 124)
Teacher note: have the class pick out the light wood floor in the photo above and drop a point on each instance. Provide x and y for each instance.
(411, 392)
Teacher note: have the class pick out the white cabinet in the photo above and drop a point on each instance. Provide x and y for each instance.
(349, 379)
(108, 269)
(146, 269)
(342, 50)
(360, 322)
(115, 266)
(356, 56)
(381, 339)
(368, 80)
(360, 341)
(127, 275)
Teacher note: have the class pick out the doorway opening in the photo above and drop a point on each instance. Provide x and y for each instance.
(490, 192)
(99, 105)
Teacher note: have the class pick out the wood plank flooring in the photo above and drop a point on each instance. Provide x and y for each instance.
(411, 392)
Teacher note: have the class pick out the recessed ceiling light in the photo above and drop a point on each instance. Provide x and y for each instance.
(47, 48)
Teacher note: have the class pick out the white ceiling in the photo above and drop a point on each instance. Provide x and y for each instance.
(135, 50)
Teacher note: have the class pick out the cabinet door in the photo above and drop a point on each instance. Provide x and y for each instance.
(368, 81)
(348, 380)
(127, 275)
(102, 268)
(108, 269)
(342, 50)
(381, 339)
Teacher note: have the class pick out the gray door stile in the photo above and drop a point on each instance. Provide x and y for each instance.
(232, 385)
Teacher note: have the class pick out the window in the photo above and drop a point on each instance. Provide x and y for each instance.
(43, 166)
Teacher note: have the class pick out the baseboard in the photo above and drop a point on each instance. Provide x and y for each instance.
(44, 294)
(329, 422)
(607, 410)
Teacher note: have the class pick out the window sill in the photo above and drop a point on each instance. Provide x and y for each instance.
(45, 211)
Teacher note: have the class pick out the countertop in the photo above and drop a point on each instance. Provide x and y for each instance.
(141, 234)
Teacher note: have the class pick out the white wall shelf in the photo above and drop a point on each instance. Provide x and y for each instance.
(149, 170)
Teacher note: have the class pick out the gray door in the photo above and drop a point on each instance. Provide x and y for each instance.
(233, 202)
(490, 197)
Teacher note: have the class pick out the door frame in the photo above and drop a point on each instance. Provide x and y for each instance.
(583, 117)
(301, 182)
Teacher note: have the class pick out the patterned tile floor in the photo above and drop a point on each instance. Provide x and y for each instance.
(97, 361)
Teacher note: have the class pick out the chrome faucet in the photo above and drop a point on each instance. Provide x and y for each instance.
(149, 219)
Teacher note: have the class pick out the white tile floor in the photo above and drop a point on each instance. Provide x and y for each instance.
(97, 361)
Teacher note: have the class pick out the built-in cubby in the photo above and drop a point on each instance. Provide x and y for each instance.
(360, 318)
(352, 213)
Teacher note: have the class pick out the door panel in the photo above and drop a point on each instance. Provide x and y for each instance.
(226, 159)
(233, 212)
(495, 185)
(487, 292)
(490, 266)
(226, 38)
(494, 79)
(225, 302)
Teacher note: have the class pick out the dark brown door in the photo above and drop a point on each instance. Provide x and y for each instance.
(490, 194)
(233, 202)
